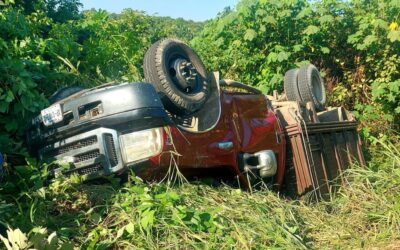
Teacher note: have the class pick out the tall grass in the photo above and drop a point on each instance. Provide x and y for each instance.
(365, 213)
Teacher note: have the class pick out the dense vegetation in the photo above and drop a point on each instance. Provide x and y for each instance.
(45, 45)
(356, 44)
(48, 44)
(196, 216)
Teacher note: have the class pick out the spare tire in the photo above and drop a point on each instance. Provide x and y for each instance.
(64, 93)
(178, 74)
(311, 87)
(290, 85)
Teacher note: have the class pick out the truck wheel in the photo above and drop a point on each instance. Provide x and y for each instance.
(63, 93)
(290, 85)
(311, 87)
(178, 74)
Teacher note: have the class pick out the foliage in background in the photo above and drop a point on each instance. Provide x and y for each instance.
(49, 44)
(116, 44)
(356, 44)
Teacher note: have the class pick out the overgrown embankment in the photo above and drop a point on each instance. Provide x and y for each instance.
(363, 214)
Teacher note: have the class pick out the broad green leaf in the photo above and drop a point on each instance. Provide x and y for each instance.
(173, 195)
(381, 23)
(130, 228)
(237, 43)
(270, 20)
(250, 34)
(364, 26)
(325, 50)
(272, 57)
(147, 219)
(9, 96)
(264, 72)
(297, 47)
(303, 13)
(370, 39)
(395, 86)
(120, 232)
(283, 56)
(354, 38)
(326, 19)
(261, 12)
(391, 97)
(284, 13)
(394, 35)
(311, 29)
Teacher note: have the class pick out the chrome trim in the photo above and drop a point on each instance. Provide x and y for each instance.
(225, 145)
(103, 159)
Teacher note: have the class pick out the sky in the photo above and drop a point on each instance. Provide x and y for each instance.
(197, 10)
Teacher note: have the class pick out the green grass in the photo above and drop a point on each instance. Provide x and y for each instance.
(365, 213)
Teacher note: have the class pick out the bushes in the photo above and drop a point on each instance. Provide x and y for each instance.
(356, 44)
(20, 73)
(47, 45)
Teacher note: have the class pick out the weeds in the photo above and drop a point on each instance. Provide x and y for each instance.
(365, 213)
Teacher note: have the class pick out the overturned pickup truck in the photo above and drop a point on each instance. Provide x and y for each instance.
(190, 118)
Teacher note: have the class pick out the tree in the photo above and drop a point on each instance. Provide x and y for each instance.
(63, 10)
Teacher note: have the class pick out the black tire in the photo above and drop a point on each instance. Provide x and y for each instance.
(63, 93)
(311, 87)
(290, 85)
(179, 96)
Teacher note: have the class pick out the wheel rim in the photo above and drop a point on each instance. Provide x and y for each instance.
(184, 75)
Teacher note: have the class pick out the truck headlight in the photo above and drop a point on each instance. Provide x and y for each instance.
(141, 144)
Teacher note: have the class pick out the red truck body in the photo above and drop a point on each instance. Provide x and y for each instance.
(247, 121)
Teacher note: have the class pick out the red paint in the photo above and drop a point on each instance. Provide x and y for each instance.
(246, 120)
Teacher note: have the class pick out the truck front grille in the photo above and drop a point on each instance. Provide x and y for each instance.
(88, 170)
(87, 156)
(110, 146)
(87, 153)
(72, 146)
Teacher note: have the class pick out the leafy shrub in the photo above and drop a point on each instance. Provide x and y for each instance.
(356, 44)
(47, 45)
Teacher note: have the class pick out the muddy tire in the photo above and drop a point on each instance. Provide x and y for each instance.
(178, 75)
(290, 85)
(311, 87)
